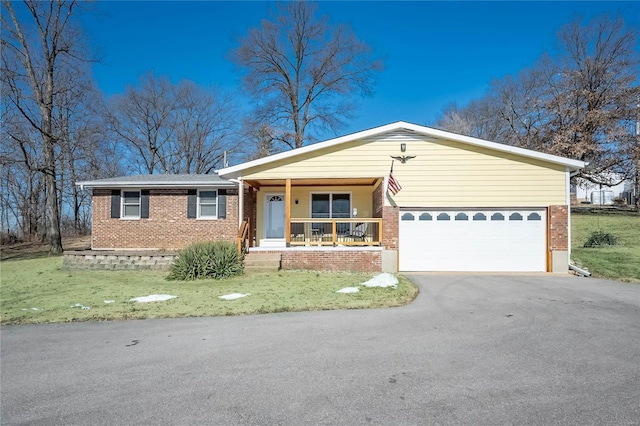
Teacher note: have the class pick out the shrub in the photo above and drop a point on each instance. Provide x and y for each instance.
(599, 239)
(207, 260)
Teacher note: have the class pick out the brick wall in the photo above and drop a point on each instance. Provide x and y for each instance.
(167, 227)
(558, 228)
(331, 260)
(390, 227)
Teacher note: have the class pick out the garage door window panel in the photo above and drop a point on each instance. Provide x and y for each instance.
(534, 216)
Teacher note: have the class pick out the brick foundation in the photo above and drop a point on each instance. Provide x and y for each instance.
(331, 260)
(167, 227)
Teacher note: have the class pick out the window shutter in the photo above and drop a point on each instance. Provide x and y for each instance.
(192, 200)
(115, 203)
(144, 204)
(222, 203)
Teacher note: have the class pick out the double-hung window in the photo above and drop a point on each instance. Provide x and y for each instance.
(130, 205)
(208, 204)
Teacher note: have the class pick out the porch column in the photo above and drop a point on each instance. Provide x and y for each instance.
(240, 202)
(287, 211)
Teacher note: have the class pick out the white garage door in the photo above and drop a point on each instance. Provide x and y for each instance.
(473, 240)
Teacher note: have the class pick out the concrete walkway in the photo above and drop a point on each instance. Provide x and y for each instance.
(476, 350)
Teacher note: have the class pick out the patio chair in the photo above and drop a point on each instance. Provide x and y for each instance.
(359, 231)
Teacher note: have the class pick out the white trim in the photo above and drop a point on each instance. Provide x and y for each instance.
(155, 185)
(350, 193)
(198, 205)
(568, 198)
(240, 202)
(122, 216)
(235, 171)
(264, 215)
(319, 248)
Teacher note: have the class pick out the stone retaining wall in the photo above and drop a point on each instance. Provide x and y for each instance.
(117, 260)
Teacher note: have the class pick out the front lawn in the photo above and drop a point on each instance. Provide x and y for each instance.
(38, 291)
(618, 262)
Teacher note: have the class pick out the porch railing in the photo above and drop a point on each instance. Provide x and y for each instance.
(336, 232)
(243, 237)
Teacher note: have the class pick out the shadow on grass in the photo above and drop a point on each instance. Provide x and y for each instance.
(25, 250)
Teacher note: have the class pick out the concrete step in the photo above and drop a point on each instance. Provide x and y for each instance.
(262, 262)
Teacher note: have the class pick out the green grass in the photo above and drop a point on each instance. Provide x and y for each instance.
(42, 284)
(618, 262)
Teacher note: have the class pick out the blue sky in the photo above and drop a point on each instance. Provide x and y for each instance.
(436, 52)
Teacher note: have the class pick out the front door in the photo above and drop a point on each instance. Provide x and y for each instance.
(274, 216)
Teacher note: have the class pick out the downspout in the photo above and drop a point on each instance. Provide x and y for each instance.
(567, 175)
(240, 184)
(580, 271)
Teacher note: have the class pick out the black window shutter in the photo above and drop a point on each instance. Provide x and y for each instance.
(222, 203)
(144, 204)
(115, 203)
(192, 200)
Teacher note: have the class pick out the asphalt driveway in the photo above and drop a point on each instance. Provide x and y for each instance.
(477, 350)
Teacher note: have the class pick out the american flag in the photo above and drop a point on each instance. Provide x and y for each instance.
(394, 185)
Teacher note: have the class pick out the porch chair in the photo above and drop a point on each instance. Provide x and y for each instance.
(359, 231)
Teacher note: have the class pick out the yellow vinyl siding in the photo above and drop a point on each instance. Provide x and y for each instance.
(443, 174)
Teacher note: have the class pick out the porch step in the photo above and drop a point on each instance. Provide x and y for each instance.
(262, 262)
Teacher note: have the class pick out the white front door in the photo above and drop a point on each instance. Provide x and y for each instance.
(274, 216)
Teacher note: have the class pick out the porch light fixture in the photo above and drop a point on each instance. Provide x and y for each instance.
(403, 147)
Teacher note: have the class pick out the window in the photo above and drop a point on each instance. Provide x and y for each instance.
(331, 206)
(497, 216)
(327, 206)
(462, 216)
(208, 204)
(444, 216)
(515, 216)
(425, 216)
(130, 205)
(534, 216)
(479, 216)
(408, 216)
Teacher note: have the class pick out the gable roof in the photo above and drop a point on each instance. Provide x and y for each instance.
(158, 181)
(235, 171)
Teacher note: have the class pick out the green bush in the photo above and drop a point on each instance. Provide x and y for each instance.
(207, 260)
(599, 239)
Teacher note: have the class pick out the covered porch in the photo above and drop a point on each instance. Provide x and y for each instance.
(326, 212)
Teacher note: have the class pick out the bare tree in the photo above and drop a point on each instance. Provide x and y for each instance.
(303, 71)
(141, 118)
(204, 126)
(174, 128)
(31, 67)
(578, 104)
